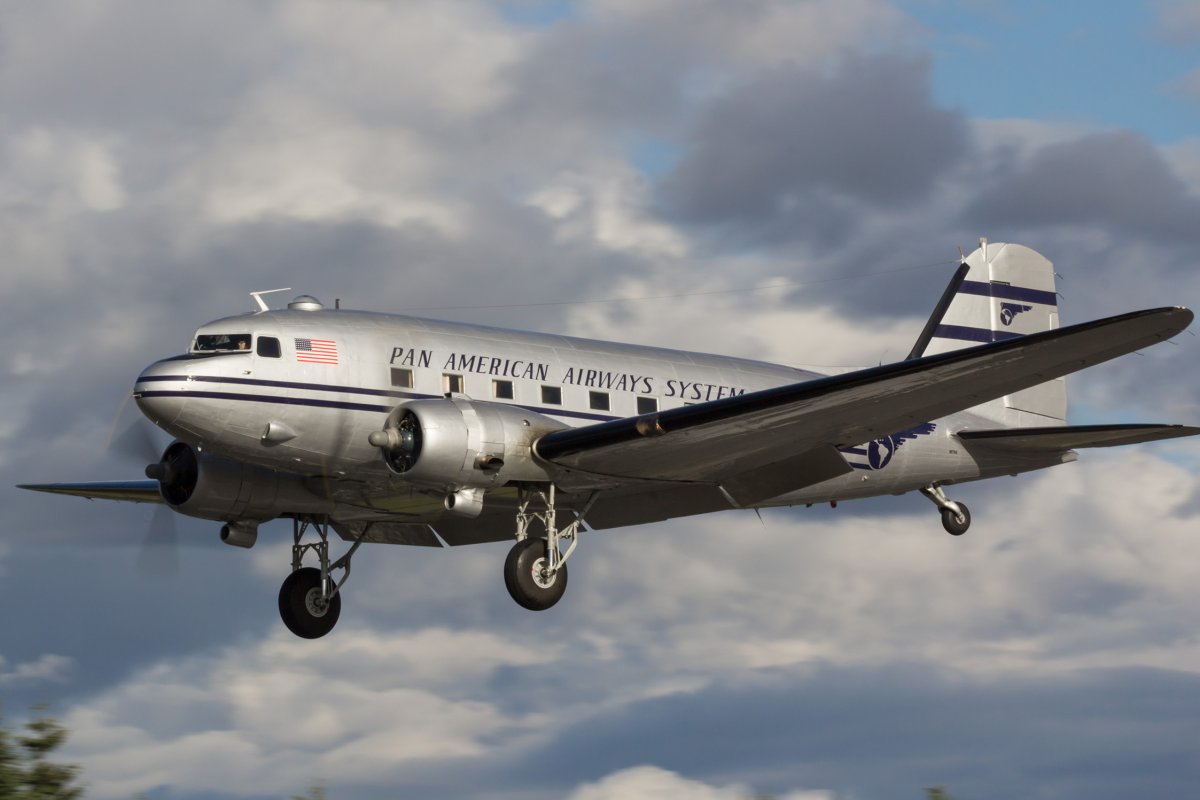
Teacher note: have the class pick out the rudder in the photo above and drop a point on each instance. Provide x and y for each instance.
(1008, 292)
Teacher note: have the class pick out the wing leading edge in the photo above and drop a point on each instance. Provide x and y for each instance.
(724, 441)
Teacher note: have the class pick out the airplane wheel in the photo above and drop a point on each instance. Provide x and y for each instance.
(953, 523)
(301, 607)
(523, 576)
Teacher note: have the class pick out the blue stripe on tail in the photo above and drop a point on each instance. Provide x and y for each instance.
(966, 334)
(1006, 292)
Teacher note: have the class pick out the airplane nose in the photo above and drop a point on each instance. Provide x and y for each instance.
(160, 391)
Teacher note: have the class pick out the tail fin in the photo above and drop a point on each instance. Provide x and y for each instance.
(1008, 291)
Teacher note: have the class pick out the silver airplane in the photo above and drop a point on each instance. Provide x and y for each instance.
(397, 430)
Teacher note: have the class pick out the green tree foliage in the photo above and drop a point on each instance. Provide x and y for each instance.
(937, 793)
(315, 792)
(10, 766)
(26, 773)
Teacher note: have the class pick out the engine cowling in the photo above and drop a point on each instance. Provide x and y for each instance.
(452, 444)
(203, 485)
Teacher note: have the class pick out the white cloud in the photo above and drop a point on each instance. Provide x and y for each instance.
(1023, 137)
(46, 668)
(285, 157)
(64, 172)
(719, 316)
(354, 128)
(1184, 157)
(359, 709)
(447, 58)
(607, 204)
(654, 783)
(766, 33)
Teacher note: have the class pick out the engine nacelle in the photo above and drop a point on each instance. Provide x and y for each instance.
(211, 487)
(453, 444)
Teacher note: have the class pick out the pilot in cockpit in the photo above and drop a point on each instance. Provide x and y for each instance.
(221, 342)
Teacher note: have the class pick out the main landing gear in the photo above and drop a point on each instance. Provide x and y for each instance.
(310, 600)
(535, 571)
(956, 518)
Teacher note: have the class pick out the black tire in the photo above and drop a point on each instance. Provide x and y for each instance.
(297, 605)
(953, 524)
(521, 569)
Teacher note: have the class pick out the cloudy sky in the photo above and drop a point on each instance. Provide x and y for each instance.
(790, 181)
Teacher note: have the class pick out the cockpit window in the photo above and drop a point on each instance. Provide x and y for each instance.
(268, 347)
(221, 342)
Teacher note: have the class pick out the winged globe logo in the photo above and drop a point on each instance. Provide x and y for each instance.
(1009, 312)
(879, 452)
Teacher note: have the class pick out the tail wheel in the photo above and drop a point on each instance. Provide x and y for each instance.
(303, 610)
(526, 578)
(956, 524)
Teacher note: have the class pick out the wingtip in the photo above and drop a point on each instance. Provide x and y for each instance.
(1180, 318)
(1186, 316)
(49, 488)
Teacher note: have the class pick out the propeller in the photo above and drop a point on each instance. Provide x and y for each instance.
(131, 440)
(159, 556)
(401, 444)
(130, 436)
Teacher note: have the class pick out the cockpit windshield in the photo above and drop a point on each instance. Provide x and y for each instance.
(221, 343)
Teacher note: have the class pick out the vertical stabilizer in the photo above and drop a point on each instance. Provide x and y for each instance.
(1008, 292)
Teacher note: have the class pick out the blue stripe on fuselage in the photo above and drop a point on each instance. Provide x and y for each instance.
(321, 403)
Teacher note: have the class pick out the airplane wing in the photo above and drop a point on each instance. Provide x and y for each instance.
(132, 491)
(763, 444)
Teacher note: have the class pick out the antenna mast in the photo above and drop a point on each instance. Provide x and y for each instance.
(262, 306)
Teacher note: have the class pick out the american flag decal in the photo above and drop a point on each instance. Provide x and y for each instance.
(316, 351)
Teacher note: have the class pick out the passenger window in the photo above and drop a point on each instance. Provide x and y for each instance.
(502, 390)
(402, 378)
(268, 347)
(647, 405)
(598, 400)
(552, 395)
(452, 384)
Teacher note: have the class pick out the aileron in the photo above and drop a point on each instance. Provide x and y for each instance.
(1072, 437)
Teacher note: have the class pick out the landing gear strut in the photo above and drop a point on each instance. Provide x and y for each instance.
(310, 600)
(535, 571)
(956, 518)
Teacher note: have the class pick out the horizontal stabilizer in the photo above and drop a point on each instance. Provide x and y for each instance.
(131, 491)
(1071, 437)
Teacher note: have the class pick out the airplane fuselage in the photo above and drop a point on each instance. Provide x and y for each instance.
(311, 387)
